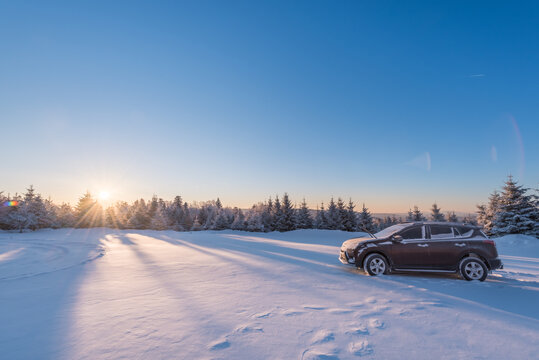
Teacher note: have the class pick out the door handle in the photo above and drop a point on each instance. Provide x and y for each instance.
(460, 244)
(423, 245)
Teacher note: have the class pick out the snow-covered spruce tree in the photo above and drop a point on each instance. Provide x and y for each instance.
(277, 215)
(492, 209)
(159, 220)
(139, 218)
(175, 214)
(481, 214)
(417, 214)
(267, 216)
(304, 219)
(350, 223)
(452, 217)
(221, 221)
(410, 216)
(341, 210)
(436, 214)
(187, 221)
(65, 216)
(365, 221)
(88, 212)
(254, 218)
(320, 221)
(288, 221)
(332, 216)
(517, 213)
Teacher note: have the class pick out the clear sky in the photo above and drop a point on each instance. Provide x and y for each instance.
(390, 103)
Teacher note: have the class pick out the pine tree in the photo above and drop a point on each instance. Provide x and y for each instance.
(517, 213)
(321, 221)
(187, 221)
(88, 212)
(343, 215)
(436, 214)
(417, 214)
(332, 216)
(288, 219)
(267, 217)
(410, 216)
(175, 214)
(277, 215)
(159, 219)
(365, 222)
(350, 223)
(218, 204)
(221, 221)
(492, 209)
(452, 217)
(140, 218)
(304, 219)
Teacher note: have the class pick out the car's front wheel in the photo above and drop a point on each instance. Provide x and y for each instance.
(473, 268)
(376, 264)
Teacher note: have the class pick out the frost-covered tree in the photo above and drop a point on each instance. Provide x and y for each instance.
(452, 217)
(159, 219)
(187, 220)
(222, 222)
(491, 211)
(332, 215)
(140, 218)
(517, 213)
(350, 217)
(365, 221)
(88, 212)
(277, 215)
(267, 216)
(417, 214)
(436, 214)
(410, 216)
(343, 215)
(304, 218)
(65, 217)
(288, 217)
(321, 222)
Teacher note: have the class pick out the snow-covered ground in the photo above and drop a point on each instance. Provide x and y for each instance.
(100, 293)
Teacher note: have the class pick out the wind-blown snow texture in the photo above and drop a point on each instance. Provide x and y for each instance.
(100, 293)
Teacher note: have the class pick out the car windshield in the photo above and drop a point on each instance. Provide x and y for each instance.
(390, 230)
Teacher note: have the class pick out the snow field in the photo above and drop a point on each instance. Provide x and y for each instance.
(236, 295)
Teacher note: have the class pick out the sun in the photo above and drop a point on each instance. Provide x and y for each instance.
(103, 195)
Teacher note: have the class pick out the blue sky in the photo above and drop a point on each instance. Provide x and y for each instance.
(390, 103)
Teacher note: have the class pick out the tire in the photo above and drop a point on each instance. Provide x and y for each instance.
(376, 264)
(472, 268)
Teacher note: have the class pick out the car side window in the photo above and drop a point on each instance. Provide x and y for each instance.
(440, 232)
(414, 233)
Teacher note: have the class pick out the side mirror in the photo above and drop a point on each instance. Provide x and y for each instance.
(397, 238)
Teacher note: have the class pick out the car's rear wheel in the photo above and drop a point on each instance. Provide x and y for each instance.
(473, 268)
(376, 264)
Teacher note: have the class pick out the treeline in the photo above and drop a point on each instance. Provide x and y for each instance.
(510, 212)
(30, 212)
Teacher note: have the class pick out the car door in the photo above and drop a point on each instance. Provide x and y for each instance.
(444, 249)
(412, 252)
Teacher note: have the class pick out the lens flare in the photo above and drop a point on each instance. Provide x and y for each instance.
(11, 203)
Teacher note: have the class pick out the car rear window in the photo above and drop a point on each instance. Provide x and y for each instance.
(440, 232)
(462, 231)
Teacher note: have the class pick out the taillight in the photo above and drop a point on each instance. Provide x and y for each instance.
(491, 242)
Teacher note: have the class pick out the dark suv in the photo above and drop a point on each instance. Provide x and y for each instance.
(425, 246)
